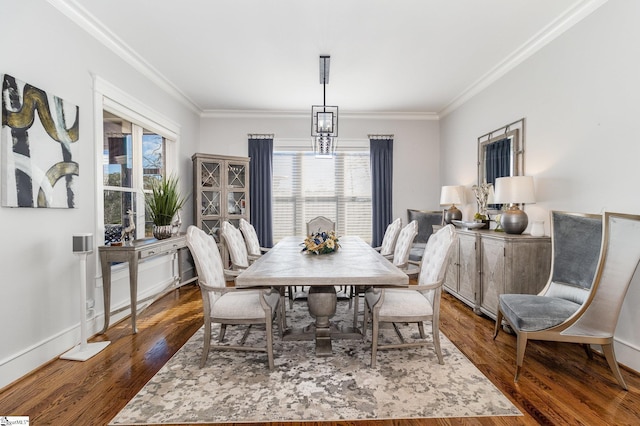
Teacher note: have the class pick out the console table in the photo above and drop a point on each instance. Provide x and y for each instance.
(133, 253)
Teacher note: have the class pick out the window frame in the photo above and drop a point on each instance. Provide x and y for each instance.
(108, 97)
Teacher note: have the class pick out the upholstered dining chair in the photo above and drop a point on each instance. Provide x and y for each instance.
(254, 250)
(237, 248)
(592, 266)
(228, 305)
(390, 238)
(320, 224)
(413, 304)
(403, 245)
(317, 224)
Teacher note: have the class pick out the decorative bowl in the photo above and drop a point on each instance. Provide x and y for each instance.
(468, 225)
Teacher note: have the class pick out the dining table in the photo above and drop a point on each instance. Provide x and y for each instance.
(354, 263)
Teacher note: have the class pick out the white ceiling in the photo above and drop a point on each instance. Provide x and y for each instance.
(400, 56)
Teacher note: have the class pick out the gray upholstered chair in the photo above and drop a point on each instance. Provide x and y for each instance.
(237, 248)
(426, 220)
(388, 244)
(320, 224)
(254, 250)
(228, 305)
(592, 266)
(413, 304)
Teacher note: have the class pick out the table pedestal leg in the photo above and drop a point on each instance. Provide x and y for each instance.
(322, 305)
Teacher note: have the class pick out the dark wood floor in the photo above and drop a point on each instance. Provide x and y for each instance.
(559, 384)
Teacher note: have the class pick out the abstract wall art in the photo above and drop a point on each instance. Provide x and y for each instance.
(39, 147)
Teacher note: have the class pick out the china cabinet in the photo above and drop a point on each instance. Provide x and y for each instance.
(221, 192)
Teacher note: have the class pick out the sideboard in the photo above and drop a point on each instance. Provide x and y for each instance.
(486, 263)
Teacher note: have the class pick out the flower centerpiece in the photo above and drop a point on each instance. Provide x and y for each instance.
(321, 243)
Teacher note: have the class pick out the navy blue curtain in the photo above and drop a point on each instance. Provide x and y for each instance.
(498, 155)
(260, 172)
(381, 157)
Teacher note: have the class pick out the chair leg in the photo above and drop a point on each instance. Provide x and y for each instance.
(374, 341)
(223, 330)
(269, 331)
(365, 319)
(610, 356)
(207, 342)
(587, 350)
(521, 343)
(435, 330)
(498, 324)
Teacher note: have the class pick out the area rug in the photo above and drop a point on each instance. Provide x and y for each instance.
(239, 387)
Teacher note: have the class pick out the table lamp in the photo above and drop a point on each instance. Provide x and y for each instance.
(452, 195)
(83, 245)
(514, 190)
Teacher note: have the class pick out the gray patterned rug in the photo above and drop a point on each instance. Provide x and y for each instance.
(238, 386)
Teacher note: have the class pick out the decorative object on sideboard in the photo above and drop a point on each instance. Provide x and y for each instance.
(537, 228)
(484, 196)
(163, 203)
(452, 195)
(324, 118)
(128, 232)
(514, 190)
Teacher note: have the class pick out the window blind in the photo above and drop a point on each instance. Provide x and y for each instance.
(305, 187)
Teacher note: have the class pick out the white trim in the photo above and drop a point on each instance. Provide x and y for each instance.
(81, 16)
(557, 27)
(219, 113)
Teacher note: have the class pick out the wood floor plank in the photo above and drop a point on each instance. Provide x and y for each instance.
(559, 385)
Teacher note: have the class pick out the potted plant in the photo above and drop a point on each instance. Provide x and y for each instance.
(163, 204)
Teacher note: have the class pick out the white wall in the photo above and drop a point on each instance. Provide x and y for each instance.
(415, 156)
(39, 281)
(580, 98)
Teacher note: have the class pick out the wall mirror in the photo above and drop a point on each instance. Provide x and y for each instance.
(501, 153)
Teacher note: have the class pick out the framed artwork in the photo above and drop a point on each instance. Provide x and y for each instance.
(39, 143)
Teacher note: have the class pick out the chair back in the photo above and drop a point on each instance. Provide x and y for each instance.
(436, 256)
(618, 263)
(250, 237)
(403, 245)
(208, 262)
(390, 237)
(320, 224)
(236, 245)
(576, 244)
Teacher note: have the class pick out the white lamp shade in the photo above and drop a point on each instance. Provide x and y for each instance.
(452, 195)
(514, 189)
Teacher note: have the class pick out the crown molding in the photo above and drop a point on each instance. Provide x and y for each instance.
(580, 10)
(257, 114)
(80, 16)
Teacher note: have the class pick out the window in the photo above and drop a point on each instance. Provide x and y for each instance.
(305, 187)
(137, 146)
(133, 158)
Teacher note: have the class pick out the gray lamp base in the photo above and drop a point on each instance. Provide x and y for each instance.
(514, 220)
(453, 213)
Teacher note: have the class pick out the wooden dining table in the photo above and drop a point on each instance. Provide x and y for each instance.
(355, 263)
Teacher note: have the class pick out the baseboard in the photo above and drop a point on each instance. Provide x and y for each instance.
(30, 359)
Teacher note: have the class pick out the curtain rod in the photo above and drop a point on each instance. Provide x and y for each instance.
(380, 136)
(260, 135)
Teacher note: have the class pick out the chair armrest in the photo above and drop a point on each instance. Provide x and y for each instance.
(378, 248)
(253, 257)
(264, 249)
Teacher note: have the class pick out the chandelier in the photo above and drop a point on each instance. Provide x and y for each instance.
(324, 118)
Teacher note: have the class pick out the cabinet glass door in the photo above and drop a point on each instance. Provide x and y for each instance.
(236, 176)
(210, 174)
